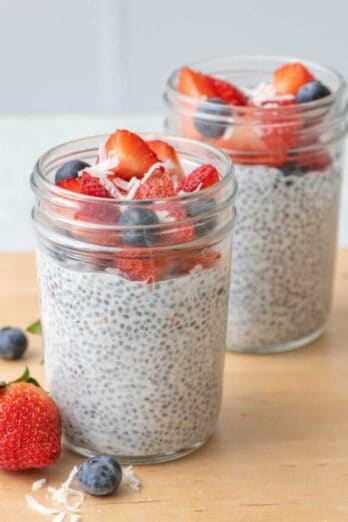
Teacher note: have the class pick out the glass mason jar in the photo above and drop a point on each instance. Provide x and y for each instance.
(134, 338)
(288, 167)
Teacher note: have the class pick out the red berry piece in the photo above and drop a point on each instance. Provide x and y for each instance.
(159, 185)
(30, 427)
(167, 153)
(195, 84)
(134, 155)
(72, 184)
(91, 186)
(290, 77)
(228, 92)
(200, 178)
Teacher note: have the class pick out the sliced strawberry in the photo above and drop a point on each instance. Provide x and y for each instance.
(200, 178)
(195, 84)
(166, 152)
(157, 186)
(319, 160)
(139, 268)
(280, 127)
(228, 92)
(181, 263)
(247, 147)
(290, 77)
(72, 184)
(135, 156)
(91, 186)
(180, 229)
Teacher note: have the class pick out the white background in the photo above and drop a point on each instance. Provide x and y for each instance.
(81, 66)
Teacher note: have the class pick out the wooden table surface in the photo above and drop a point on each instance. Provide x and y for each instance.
(280, 452)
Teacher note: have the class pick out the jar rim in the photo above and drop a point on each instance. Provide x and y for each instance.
(240, 59)
(40, 182)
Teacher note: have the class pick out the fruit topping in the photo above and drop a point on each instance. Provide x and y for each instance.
(139, 220)
(311, 91)
(290, 77)
(72, 184)
(138, 265)
(13, 343)
(195, 84)
(167, 154)
(200, 178)
(91, 186)
(156, 186)
(228, 92)
(70, 169)
(135, 157)
(213, 108)
(100, 475)
(30, 427)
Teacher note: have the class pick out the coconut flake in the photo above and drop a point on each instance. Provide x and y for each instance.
(59, 518)
(130, 479)
(75, 518)
(38, 484)
(165, 217)
(64, 494)
(265, 93)
(39, 508)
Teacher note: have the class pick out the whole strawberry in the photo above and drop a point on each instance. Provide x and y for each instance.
(30, 427)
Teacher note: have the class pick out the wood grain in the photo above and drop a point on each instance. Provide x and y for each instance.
(280, 452)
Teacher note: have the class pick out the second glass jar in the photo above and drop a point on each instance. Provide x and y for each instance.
(287, 203)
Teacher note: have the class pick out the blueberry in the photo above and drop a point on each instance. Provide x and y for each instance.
(70, 169)
(197, 208)
(291, 168)
(13, 343)
(135, 217)
(100, 475)
(311, 91)
(208, 127)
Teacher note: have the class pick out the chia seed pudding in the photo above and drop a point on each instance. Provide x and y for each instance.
(283, 123)
(283, 255)
(134, 291)
(135, 368)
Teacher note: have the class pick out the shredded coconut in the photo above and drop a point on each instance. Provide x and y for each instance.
(75, 518)
(264, 93)
(65, 493)
(38, 484)
(133, 189)
(130, 479)
(39, 508)
(59, 518)
(165, 217)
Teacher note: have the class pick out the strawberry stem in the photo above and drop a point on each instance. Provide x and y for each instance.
(25, 377)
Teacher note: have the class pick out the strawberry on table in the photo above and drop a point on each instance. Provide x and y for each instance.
(200, 178)
(167, 153)
(30, 426)
(195, 84)
(134, 155)
(290, 77)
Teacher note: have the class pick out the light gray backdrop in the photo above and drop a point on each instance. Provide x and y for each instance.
(105, 55)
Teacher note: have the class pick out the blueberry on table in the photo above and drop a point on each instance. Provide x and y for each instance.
(312, 91)
(208, 127)
(198, 208)
(13, 343)
(136, 217)
(70, 169)
(100, 475)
